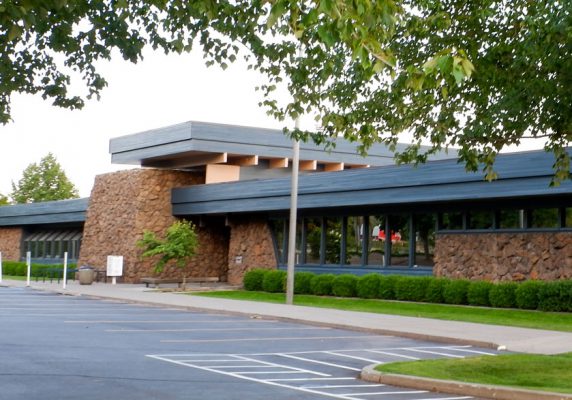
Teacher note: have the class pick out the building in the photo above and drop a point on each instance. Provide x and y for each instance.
(357, 215)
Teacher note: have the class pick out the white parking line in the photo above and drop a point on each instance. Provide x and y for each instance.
(318, 362)
(465, 350)
(433, 352)
(273, 339)
(311, 379)
(267, 381)
(354, 357)
(282, 366)
(393, 354)
(342, 386)
(384, 393)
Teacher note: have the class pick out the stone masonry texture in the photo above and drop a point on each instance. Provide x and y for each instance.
(124, 204)
(504, 256)
(250, 247)
(10, 242)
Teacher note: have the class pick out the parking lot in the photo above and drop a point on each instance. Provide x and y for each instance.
(67, 347)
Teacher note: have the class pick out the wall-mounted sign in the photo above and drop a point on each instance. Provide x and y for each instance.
(238, 260)
(114, 265)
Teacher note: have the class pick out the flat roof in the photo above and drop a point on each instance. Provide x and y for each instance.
(48, 212)
(522, 178)
(194, 143)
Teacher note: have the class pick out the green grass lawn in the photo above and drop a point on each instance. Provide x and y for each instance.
(14, 278)
(493, 316)
(526, 371)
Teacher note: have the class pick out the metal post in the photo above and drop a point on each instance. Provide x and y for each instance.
(65, 270)
(29, 264)
(293, 217)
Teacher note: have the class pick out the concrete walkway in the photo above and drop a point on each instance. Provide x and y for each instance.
(513, 339)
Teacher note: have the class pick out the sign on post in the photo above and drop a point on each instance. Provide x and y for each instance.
(114, 267)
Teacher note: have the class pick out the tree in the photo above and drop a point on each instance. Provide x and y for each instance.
(4, 200)
(479, 75)
(45, 181)
(179, 246)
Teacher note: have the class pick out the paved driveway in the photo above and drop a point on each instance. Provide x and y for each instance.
(63, 347)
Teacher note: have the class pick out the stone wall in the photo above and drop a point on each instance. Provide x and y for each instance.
(504, 256)
(124, 204)
(10, 242)
(250, 247)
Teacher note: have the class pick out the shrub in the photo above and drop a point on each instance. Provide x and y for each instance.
(478, 293)
(435, 289)
(387, 286)
(503, 295)
(526, 295)
(456, 292)
(321, 285)
(274, 281)
(566, 295)
(411, 288)
(368, 286)
(344, 285)
(303, 282)
(555, 296)
(253, 279)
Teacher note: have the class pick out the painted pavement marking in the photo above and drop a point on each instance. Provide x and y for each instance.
(328, 378)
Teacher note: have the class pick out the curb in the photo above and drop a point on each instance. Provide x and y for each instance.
(369, 374)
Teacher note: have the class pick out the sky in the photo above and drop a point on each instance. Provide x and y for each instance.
(158, 91)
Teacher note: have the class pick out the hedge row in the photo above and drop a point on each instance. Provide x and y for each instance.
(18, 268)
(530, 295)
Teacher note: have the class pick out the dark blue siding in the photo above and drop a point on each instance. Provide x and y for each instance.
(50, 212)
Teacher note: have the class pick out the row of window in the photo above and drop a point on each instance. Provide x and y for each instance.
(51, 245)
(509, 219)
(376, 240)
(405, 240)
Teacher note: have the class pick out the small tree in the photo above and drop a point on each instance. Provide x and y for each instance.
(46, 181)
(3, 200)
(178, 247)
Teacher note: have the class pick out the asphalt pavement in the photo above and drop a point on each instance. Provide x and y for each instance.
(491, 336)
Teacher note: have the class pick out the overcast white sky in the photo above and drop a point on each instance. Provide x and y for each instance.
(160, 91)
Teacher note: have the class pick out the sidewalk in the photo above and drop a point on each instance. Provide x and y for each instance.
(513, 339)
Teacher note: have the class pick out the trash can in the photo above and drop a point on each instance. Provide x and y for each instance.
(85, 275)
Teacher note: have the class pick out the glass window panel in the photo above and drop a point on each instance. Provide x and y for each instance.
(425, 239)
(452, 221)
(333, 240)
(376, 245)
(354, 240)
(313, 240)
(399, 236)
(568, 218)
(511, 219)
(277, 227)
(66, 247)
(480, 220)
(544, 218)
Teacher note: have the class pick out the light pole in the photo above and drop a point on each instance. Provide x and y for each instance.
(293, 219)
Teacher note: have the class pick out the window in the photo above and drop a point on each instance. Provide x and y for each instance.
(424, 239)
(52, 244)
(313, 251)
(480, 220)
(452, 221)
(278, 227)
(333, 237)
(399, 237)
(544, 218)
(376, 241)
(511, 219)
(354, 240)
